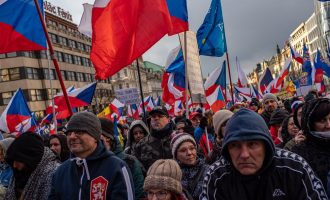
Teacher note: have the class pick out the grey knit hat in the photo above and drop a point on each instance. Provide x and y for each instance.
(87, 122)
(164, 174)
(221, 117)
(178, 139)
(269, 96)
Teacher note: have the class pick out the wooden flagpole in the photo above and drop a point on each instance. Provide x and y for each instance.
(52, 55)
(231, 83)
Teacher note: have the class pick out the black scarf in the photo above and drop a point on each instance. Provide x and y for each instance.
(162, 133)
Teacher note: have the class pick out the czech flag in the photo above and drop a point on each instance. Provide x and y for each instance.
(296, 55)
(265, 79)
(214, 85)
(20, 26)
(17, 117)
(78, 97)
(133, 111)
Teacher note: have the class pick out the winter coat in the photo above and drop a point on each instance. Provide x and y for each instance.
(283, 175)
(5, 174)
(130, 144)
(136, 169)
(266, 116)
(155, 146)
(190, 174)
(39, 183)
(100, 176)
(315, 150)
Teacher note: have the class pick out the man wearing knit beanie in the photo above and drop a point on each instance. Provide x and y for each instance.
(270, 103)
(90, 163)
(33, 167)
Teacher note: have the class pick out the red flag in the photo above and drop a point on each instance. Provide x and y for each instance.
(124, 30)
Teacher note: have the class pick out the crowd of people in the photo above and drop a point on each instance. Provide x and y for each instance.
(267, 149)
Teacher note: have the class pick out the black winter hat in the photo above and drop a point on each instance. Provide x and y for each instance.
(278, 116)
(107, 127)
(28, 148)
(87, 122)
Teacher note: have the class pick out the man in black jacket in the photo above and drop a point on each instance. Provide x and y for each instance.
(251, 167)
(270, 103)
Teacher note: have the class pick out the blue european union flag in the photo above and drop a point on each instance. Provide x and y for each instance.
(211, 36)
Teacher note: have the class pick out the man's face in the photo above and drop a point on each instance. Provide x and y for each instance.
(195, 121)
(159, 121)
(270, 105)
(55, 145)
(81, 144)
(247, 156)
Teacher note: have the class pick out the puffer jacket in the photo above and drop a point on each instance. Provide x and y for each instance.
(283, 175)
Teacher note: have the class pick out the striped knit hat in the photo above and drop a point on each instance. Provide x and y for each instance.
(178, 139)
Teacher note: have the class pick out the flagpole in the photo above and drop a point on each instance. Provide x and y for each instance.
(51, 93)
(52, 54)
(186, 74)
(231, 84)
(141, 91)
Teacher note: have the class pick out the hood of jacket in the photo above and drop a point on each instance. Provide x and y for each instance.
(130, 138)
(247, 125)
(306, 124)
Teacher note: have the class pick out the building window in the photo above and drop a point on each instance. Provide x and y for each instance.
(59, 56)
(71, 76)
(14, 74)
(125, 72)
(36, 95)
(11, 55)
(32, 73)
(127, 85)
(88, 77)
(68, 58)
(49, 94)
(63, 40)
(6, 97)
(77, 60)
(118, 75)
(63, 75)
(53, 38)
(120, 86)
(72, 44)
(4, 75)
(80, 76)
(52, 74)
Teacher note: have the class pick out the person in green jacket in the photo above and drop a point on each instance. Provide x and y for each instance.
(112, 144)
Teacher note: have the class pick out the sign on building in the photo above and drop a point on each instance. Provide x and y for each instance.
(128, 96)
(192, 61)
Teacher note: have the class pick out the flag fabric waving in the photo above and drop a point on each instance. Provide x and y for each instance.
(20, 26)
(318, 64)
(133, 111)
(211, 37)
(123, 31)
(242, 78)
(77, 97)
(264, 80)
(276, 85)
(215, 85)
(306, 66)
(296, 55)
(17, 117)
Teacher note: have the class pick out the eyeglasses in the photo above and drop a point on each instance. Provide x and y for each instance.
(159, 195)
(76, 133)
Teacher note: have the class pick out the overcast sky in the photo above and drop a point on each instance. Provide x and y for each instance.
(253, 28)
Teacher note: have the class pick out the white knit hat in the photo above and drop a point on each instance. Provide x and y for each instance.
(178, 139)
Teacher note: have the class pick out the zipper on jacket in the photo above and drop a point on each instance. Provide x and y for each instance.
(80, 186)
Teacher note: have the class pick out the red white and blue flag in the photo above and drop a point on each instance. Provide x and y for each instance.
(116, 108)
(17, 117)
(265, 79)
(20, 26)
(123, 30)
(148, 104)
(295, 55)
(78, 97)
(276, 85)
(242, 78)
(173, 82)
(319, 64)
(215, 85)
(133, 111)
